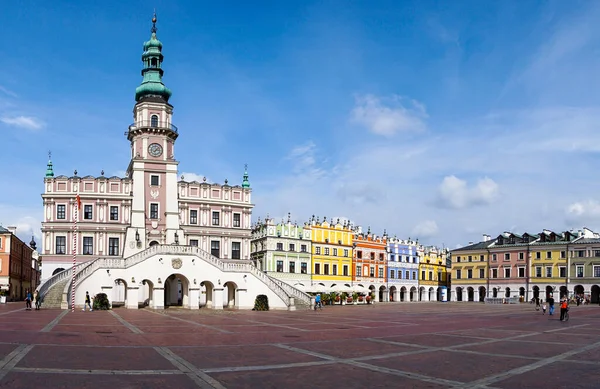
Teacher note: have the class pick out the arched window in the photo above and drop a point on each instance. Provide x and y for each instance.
(154, 120)
(57, 270)
(153, 62)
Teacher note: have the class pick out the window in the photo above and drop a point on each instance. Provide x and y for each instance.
(507, 256)
(346, 253)
(114, 213)
(521, 256)
(431, 275)
(279, 246)
(359, 254)
(372, 256)
(458, 259)
(237, 220)
(562, 272)
(521, 272)
(193, 216)
(458, 274)
(303, 267)
(335, 252)
(215, 218)
(113, 246)
(61, 212)
(326, 269)
(372, 271)
(494, 273)
(194, 242)
(538, 271)
(87, 212)
(153, 211)
(61, 245)
(215, 248)
(392, 274)
(279, 266)
(538, 255)
(392, 258)
(422, 275)
(407, 275)
(507, 272)
(154, 180)
(88, 245)
(563, 254)
(548, 271)
(334, 270)
(469, 274)
(596, 271)
(381, 256)
(303, 248)
(236, 250)
(317, 250)
(596, 253)
(581, 253)
(481, 258)
(358, 271)
(380, 272)
(154, 121)
(470, 258)
(317, 268)
(494, 257)
(548, 254)
(326, 250)
(579, 271)
(292, 267)
(481, 273)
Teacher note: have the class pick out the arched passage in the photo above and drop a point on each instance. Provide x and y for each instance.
(431, 294)
(579, 290)
(459, 294)
(422, 293)
(495, 292)
(536, 292)
(177, 291)
(153, 243)
(482, 294)
(470, 294)
(595, 295)
(56, 271)
(507, 293)
(413, 294)
(119, 296)
(564, 291)
(393, 292)
(439, 293)
(549, 291)
(146, 293)
(381, 293)
(229, 295)
(207, 294)
(521, 291)
(403, 294)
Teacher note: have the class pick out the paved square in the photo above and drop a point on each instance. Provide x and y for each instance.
(420, 345)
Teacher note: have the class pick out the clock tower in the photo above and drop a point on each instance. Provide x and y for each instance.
(153, 168)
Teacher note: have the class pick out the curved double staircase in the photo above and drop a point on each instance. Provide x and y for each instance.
(55, 291)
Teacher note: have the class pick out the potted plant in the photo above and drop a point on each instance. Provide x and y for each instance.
(333, 297)
(368, 299)
(361, 299)
(3, 294)
(355, 298)
(337, 298)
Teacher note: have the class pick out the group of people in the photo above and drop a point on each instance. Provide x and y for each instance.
(549, 304)
(29, 298)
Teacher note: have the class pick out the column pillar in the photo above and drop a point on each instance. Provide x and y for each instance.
(292, 306)
(240, 297)
(218, 298)
(194, 298)
(158, 298)
(132, 297)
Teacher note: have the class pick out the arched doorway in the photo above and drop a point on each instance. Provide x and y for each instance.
(381, 293)
(595, 295)
(579, 290)
(56, 271)
(482, 294)
(495, 292)
(229, 291)
(422, 293)
(459, 294)
(470, 294)
(393, 291)
(564, 291)
(177, 291)
(536, 292)
(431, 294)
(413, 294)
(119, 292)
(146, 293)
(153, 243)
(549, 291)
(439, 293)
(403, 294)
(522, 291)
(206, 294)
(507, 293)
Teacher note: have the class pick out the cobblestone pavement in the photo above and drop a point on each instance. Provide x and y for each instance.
(416, 345)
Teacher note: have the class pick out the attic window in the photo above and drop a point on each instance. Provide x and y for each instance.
(154, 121)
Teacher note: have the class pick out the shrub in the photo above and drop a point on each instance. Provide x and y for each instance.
(101, 302)
(261, 303)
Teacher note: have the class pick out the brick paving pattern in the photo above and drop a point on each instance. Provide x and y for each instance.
(417, 345)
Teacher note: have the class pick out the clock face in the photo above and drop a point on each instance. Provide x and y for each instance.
(155, 150)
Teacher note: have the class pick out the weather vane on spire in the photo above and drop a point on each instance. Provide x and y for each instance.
(49, 154)
(153, 30)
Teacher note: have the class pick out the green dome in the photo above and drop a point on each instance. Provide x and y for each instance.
(153, 42)
(152, 88)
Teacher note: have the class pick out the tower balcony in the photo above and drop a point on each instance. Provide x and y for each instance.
(152, 126)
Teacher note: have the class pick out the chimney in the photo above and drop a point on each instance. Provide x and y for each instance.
(470, 243)
(486, 237)
(12, 229)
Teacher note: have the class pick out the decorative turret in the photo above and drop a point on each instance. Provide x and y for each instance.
(245, 182)
(49, 169)
(152, 85)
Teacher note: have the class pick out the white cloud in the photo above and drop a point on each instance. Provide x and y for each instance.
(27, 225)
(189, 177)
(26, 122)
(583, 212)
(387, 120)
(425, 229)
(455, 193)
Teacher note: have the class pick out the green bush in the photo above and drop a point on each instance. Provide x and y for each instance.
(261, 303)
(101, 302)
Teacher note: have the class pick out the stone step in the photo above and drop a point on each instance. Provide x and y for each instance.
(54, 296)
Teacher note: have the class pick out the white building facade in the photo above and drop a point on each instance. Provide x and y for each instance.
(403, 270)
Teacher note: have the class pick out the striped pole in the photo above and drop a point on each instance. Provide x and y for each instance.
(74, 254)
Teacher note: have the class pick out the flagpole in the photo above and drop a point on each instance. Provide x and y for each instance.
(77, 200)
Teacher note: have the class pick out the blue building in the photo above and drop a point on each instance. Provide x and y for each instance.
(403, 268)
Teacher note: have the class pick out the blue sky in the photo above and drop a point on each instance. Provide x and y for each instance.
(431, 119)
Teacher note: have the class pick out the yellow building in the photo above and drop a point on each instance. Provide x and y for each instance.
(331, 252)
(470, 269)
(548, 261)
(433, 272)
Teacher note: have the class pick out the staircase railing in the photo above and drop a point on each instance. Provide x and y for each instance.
(295, 292)
(56, 278)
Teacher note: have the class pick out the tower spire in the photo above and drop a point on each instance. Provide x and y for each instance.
(153, 29)
(245, 182)
(49, 169)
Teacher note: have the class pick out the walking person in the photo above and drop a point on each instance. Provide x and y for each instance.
(564, 306)
(28, 299)
(550, 305)
(88, 302)
(543, 308)
(37, 298)
(318, 302)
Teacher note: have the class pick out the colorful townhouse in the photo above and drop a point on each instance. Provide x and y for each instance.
(331, 253)
(433, 273)
(528, 265)
(403, 268)
(19, 265)
(369, 263)
(282, 250)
